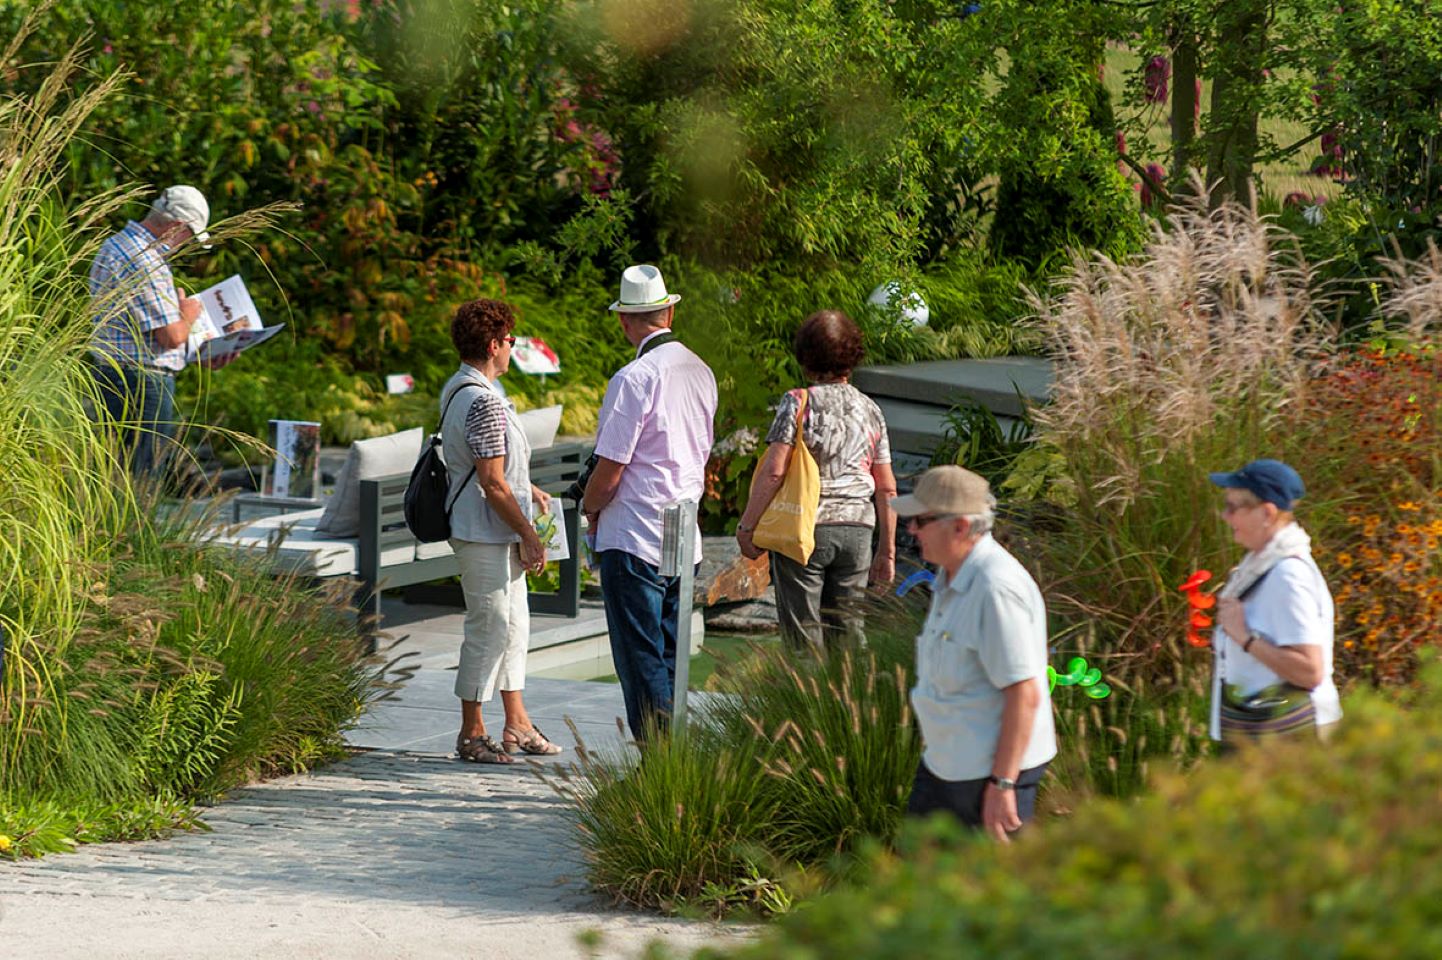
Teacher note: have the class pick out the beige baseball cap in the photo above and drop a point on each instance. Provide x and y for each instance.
(186, 205)
(949, 490)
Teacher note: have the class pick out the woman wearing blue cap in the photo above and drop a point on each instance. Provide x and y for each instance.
(1273, 642)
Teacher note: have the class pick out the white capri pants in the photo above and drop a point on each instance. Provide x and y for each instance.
(498, 619)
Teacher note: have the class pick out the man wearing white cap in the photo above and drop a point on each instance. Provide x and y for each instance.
(652, 442)
(142, 320)
(981, 695)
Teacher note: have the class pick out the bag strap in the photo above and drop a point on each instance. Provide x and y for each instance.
(441, 426)
(654, 342)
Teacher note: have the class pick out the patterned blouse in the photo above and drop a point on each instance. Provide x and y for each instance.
(845, 432)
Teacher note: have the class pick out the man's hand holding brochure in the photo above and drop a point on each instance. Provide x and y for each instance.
(227, 325)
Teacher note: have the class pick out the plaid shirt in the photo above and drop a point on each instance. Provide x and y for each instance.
(134, 293)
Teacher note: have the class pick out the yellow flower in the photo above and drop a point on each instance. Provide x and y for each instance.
(5, 843)
(1409, 506)
(1344, 560)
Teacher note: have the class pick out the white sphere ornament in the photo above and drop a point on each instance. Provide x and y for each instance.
(911, 305)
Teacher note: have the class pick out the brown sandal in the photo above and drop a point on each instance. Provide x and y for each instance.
(531, 741)
(481, 749)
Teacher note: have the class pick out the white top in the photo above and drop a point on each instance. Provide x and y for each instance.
(658, 419)
(986, 630)
(1291, 605)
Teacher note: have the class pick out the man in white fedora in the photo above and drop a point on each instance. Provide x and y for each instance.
(652, 442)
(981, 695)
(143, 321)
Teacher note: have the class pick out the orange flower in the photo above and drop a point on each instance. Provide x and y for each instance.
(1195, 581)
(1200, 621)
(1197, 640)
(1201, 601)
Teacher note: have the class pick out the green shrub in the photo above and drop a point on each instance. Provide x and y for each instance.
(1297, 850)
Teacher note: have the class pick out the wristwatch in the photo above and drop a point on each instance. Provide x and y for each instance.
(1002, 783)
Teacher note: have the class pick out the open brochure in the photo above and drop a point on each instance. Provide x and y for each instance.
(228, 322)
(551, 528)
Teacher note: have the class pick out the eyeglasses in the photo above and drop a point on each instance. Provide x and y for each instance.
(1230, 507)
(916, 523)
(510, 341)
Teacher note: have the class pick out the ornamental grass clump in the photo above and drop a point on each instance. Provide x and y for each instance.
(142, 671)
(792, 761)
(1197, 355)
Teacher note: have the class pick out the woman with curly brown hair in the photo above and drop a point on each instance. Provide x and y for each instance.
(845, 432)
(491, 532)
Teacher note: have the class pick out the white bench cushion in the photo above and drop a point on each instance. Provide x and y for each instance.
(299, 550)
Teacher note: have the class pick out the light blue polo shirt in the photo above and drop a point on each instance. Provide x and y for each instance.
(985, 631)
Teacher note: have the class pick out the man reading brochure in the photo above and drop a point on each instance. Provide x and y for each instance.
(143, 321)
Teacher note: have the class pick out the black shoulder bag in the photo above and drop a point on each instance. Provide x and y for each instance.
(428, 502)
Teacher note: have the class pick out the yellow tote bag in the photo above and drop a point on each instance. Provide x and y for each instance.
(789, 524)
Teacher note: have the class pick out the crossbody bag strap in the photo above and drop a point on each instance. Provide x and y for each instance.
(472, 472)
(655, 342)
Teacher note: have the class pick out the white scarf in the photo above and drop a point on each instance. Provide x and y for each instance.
(1290, 541)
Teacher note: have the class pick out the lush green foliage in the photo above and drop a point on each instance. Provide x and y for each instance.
(1302, 850)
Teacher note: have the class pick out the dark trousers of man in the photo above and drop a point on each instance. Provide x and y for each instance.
(141, 404)
(962, 798)
(641, 610)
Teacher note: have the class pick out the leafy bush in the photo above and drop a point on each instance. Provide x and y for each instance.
(1298, 850)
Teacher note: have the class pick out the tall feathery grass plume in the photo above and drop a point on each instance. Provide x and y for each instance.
(1195, 355)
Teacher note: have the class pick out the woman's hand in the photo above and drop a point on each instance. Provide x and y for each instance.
(749, 550)
(533, 552)
(541, 498)
(883, 569)
(1232, 618)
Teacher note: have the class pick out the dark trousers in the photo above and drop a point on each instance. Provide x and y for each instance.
(817, 603)
(140, 405)
(962, 798)
(641, 610)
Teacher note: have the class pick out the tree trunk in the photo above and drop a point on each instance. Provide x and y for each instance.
(1185, 67)
(1236, 100)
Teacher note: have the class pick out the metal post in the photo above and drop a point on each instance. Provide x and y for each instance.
(678, 559)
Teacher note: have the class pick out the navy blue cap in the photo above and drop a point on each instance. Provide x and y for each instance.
(1272, 481)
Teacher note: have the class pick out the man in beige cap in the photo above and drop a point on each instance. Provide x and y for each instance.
(653, 438)
(981, 694)
(142, 321)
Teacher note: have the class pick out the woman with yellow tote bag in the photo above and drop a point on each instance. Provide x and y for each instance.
(788, 524)
(821, 491)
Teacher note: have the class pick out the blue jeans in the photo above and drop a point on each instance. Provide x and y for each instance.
(141, 403)
(641, 609)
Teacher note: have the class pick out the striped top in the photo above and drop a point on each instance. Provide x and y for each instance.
(134, 293)
(486, 426)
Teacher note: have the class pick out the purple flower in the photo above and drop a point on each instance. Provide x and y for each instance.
(1154, 79)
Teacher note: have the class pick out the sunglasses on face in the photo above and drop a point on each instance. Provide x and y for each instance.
(1230, 507)
(509, 341)
(916, 523)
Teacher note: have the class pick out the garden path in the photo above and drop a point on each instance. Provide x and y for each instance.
(398, 851)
